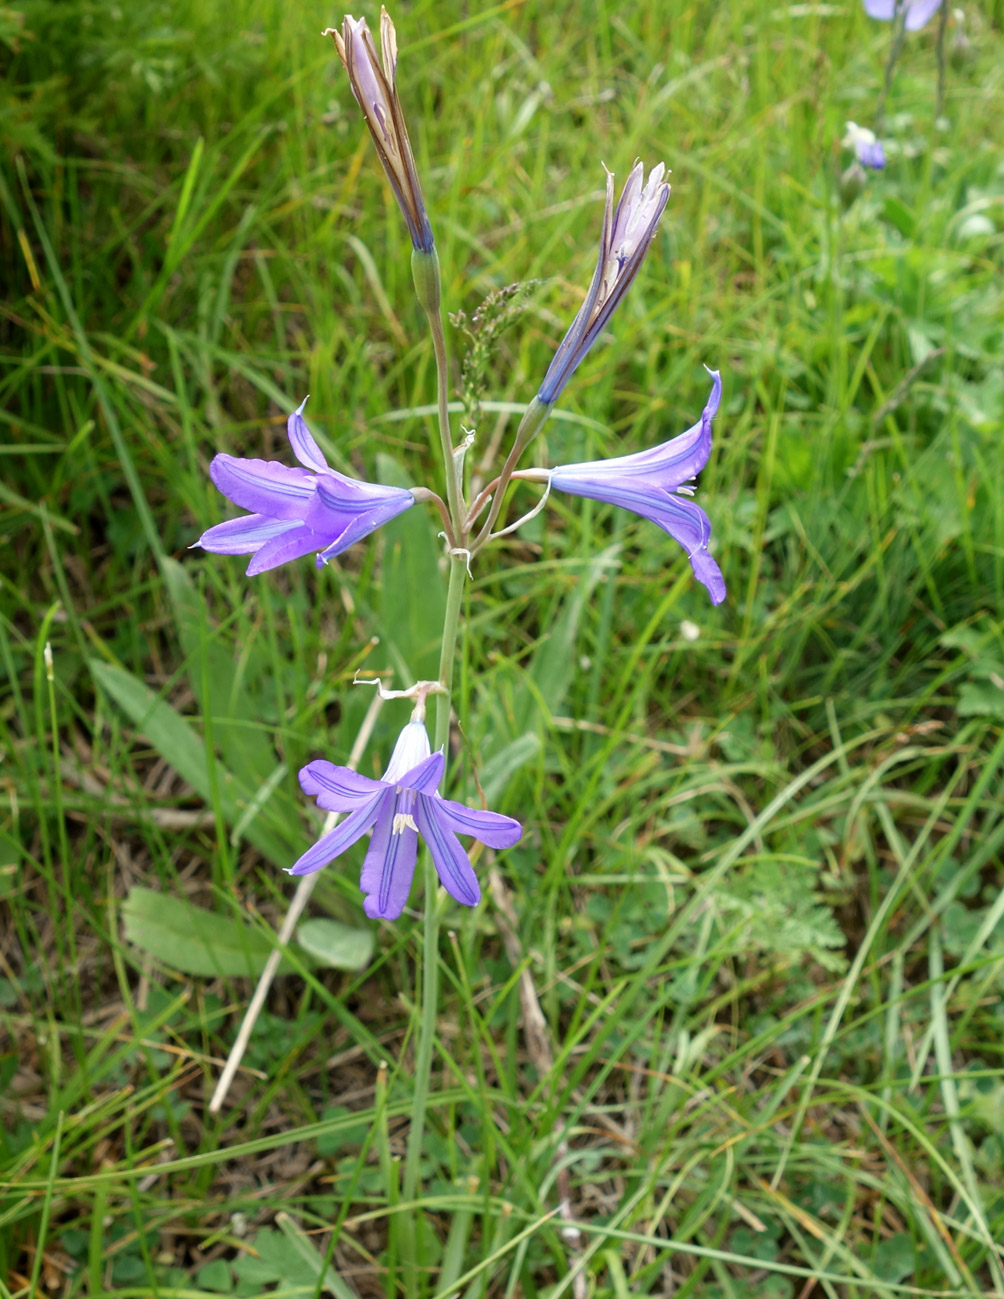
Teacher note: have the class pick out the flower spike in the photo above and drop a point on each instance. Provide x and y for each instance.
(649, 482)
(626, 236)
(372, 80)
(296, 512)
(403, 805)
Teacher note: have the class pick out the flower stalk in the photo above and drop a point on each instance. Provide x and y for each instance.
(429, 995)
(426, 274)
(534, 419)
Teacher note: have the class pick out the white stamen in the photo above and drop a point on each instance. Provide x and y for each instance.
(401, 820)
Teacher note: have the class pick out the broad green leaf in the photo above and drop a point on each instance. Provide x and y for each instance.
(215, 1276)
(179, 744)
(335, 945)
(173, 738)
(190, 938)
(980, 699)
(307, 1254)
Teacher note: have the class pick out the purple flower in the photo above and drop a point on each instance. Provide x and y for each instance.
(647, 483)
(918, 12)
(626, 237)
(375, 91)
(866, 145)
(296, 512)
(404, 804)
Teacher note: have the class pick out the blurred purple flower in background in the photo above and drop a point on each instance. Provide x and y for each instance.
(375, 91)
(296, 512)
(627, 234)
(404, 804)
(648, 483)
(866, 145)
(918, 13)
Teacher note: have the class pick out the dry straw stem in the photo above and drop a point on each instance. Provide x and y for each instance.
(300, 899)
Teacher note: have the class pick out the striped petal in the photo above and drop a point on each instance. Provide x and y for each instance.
(492, 828)
(245, 535)
(452, 866)
(331, 845)
(390, 860)
(338, 789)
(424, 778)
(665, 466)
(263, 486)
(302, 441)
(294, 544)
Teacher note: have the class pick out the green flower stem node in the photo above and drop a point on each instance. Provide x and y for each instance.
(425, 272)
(534, 418)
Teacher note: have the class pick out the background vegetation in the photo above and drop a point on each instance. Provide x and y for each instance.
(734, 1004)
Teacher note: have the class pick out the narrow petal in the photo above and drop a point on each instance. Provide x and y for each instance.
(343, 836)
(626, 272)
(243, 536)
(295, 543)
(263, 486)
(452, 866)
(709, 575)
(302, 441)
(492, 828)
(687, 523)
(626, 238)
(388, 47)
(665, 466)
(338, 495)
(626, 205)
(920, 12)
(338, 789)
(390, 859)
(424, 778)
(346, 510)
(681, 518)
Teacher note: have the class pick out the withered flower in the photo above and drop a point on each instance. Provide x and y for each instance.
(372, 81)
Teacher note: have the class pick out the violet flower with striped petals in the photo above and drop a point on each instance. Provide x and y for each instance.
(627, 234)
(296, 512)
(648, 483)
(866, 145)
(398, 808)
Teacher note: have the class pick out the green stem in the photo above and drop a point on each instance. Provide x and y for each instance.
(899, 36)
(530, 425)
(425, 272)
(429, 997)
